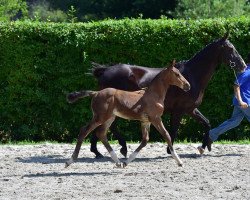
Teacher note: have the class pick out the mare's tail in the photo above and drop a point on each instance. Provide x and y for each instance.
(74, 96)
(97, 69)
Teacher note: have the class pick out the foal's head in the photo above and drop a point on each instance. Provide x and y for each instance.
(174, 77)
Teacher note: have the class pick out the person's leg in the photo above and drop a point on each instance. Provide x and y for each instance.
(234, 121)
(246, 112)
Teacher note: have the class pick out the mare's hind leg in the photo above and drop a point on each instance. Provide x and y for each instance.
(93, 145)
(160, 127)
(84, 131)
(145, 127)
(197, 115)
(118, 136)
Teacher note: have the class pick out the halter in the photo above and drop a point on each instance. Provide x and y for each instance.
(232, 65)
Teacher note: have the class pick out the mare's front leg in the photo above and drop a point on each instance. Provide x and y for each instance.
(84, 131)
(199, 117)
(175, 120)
(160, 127)
(145, 127)
(118, 136)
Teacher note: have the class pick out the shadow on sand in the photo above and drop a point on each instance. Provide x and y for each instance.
(51, 159)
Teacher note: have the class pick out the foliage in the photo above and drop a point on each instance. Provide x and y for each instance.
(41, 62)
(196, 9)
(12, 9)
(88, 10)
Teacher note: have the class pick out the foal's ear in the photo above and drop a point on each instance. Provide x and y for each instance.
(172, 65)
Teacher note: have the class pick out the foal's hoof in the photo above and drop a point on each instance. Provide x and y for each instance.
(69, 162)
(124, 151)
(118, 165)
(124, 164)
(121, 165)
(180, 164)
(201, 150)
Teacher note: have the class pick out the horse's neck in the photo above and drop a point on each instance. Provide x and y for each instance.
(159, 88)
(201, 67)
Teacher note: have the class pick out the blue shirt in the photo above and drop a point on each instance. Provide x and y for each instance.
(243, 81)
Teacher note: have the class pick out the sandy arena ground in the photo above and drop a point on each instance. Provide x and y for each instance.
(34, 172)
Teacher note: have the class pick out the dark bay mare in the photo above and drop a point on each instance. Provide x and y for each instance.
(198, 71)
(147, 106)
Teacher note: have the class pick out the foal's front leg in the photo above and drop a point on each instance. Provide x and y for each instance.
(145, 127)
(160, 127)
(84, 131)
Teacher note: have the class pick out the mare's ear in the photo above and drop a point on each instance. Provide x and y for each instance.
(226, 36)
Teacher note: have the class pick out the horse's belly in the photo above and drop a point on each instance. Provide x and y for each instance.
(127, 115)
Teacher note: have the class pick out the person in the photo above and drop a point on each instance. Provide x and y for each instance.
(241, 103)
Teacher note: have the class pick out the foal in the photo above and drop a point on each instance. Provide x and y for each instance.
(146, 106)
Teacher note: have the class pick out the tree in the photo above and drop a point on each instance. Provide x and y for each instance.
(42, 11)
(12, 9)
(195, 9)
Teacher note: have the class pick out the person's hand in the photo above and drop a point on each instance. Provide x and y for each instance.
(243, 105)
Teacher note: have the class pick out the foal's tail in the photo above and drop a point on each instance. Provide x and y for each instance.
(74, 96)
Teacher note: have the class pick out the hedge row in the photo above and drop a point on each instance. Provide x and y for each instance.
(41, 62)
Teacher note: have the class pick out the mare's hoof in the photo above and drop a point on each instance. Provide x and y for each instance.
(209, 144)
(124, 151)
(180, 164)
(99, 156)
(168, 150)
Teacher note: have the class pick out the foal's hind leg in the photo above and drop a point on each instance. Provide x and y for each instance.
(102, 135)
(145, 127)
(84, 131)
(160, 127)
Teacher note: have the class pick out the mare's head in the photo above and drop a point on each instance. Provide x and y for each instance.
(174, 77)
(229, 55)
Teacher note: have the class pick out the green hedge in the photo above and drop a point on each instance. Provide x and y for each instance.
(41, 62)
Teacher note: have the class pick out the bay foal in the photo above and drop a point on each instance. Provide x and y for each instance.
(146, 106)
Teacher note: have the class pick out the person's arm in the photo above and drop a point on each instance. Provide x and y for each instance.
(242, 104)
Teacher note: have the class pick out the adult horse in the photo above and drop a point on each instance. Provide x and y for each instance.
(143, 105)
(198, 71)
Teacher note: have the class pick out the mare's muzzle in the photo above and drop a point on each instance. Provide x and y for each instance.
(186, 87)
